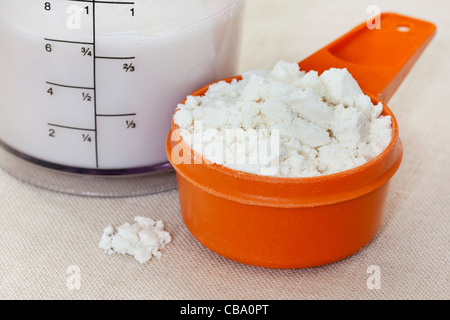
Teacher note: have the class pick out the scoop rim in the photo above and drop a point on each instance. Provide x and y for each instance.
(277, 179)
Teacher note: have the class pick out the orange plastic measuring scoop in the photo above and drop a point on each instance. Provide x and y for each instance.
(304, 222)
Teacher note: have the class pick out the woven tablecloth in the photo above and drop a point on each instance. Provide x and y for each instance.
(46, 236)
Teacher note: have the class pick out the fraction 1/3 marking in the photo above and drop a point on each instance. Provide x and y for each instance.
(131, 124)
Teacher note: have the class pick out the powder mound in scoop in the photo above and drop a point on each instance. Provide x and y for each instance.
(143, 240)
(286, 123)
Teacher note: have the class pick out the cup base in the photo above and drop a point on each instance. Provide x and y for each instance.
(87, 182)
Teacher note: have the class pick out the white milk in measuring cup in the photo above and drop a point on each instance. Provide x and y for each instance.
(88, 88)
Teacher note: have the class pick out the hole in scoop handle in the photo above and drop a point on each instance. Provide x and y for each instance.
(378, 56)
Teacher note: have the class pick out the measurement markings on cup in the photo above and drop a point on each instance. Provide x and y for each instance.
(89, 93)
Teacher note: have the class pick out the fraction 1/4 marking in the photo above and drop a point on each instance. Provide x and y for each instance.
(87, 138)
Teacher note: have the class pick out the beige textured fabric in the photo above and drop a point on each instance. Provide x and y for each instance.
(42, 233)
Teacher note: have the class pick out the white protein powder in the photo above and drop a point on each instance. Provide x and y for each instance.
(323, 124)
(143, 240)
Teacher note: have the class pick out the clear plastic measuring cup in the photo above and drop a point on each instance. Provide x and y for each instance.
(88, 87)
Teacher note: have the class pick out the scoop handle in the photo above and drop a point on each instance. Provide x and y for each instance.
(379, 59)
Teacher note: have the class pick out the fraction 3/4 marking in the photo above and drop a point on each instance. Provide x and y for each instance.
(86, 51)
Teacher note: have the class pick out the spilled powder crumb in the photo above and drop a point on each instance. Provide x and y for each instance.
(144, 239)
